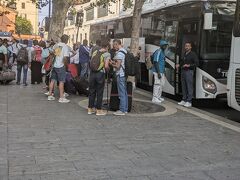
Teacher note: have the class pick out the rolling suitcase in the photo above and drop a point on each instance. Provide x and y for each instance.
(68, 85)
(72, 68)
(114, 98)
(7, 76)
(81, 85)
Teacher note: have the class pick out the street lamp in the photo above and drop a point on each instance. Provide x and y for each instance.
(79, 22)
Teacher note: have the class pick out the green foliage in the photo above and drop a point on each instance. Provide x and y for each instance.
(23, 26)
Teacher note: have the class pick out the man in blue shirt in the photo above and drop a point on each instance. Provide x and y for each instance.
(84, 59)
(158, 72)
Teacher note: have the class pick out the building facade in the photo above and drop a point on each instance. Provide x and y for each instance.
(28, 10)
(7, 19)
(91, 15)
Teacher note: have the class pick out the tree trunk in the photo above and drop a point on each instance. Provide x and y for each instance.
(59, 12)
(136, 25)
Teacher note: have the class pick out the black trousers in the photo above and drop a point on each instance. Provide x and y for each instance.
(96, 88)
(36, 75)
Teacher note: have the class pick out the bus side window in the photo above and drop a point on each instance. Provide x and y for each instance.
(236, 28)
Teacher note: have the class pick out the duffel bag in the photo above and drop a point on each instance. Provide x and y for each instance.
(7, 75)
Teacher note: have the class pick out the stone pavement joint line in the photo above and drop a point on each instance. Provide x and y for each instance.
(43, 140)
(199, 114)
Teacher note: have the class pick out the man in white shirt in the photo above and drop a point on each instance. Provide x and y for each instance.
(119, 65)
(14, 48)
(58, 73)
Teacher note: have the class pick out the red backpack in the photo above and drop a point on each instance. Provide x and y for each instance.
(37, 54)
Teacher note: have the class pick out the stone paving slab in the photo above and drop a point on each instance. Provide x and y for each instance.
(43, 140)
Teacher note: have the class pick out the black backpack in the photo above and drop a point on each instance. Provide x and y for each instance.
(22, 55)
(131, 64)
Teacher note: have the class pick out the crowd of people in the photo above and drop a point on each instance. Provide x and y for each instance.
(51, 60)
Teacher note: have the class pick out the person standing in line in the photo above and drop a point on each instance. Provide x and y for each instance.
(45, 56)
(188, 65)
(96, 47)
(158, 72)
(97, 79)
(58, 73)
(23, 62)
(119, 64)
(51, 54)
(3, 55)
(74, 57)
(84, 59)
(36, 64)
(14, 48)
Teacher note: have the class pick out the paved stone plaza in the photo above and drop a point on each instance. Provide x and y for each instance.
(41, 140)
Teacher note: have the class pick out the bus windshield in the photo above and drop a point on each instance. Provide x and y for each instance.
(216, 43)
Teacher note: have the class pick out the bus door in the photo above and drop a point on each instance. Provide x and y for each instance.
(170, 53)
(188, 31)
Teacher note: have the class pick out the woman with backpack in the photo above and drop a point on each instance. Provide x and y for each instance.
(36, 64)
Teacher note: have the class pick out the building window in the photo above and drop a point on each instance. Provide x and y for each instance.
(72, 22)
(25, 15)
(89, 14)
(85, 35)
(23, 5)
(102, 11)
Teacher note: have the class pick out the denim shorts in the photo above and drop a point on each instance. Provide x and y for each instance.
(58, 74)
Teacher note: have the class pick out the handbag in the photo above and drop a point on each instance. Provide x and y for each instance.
(48, 64)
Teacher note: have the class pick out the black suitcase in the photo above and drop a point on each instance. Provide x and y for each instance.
(81, 85)
(114, 98)
(69, 86)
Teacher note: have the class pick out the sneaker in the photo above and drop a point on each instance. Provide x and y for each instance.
(51, 98)
(182, 103)
(25, 84)
(18, 83)
(91, 111)
(47, 93)
(161, 99)
(101, 113)
(119, 113)
(187, 104)
(63, 100)
(155, 100)
(65, 95)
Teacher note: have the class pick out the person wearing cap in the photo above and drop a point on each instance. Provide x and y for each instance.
(158, 72)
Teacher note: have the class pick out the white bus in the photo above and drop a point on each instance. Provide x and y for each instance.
(234, 67)
(207, 24)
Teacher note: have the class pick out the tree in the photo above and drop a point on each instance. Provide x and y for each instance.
(59, 12)
(61, 7)
(136, 24)
(23, 26)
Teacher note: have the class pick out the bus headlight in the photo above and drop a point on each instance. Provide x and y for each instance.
(209, 85)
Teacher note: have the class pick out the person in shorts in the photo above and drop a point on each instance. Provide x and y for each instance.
(58, 73)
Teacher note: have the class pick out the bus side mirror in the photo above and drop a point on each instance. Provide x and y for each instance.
(208, 21)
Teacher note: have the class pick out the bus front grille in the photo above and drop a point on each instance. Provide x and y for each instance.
(237, 85)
